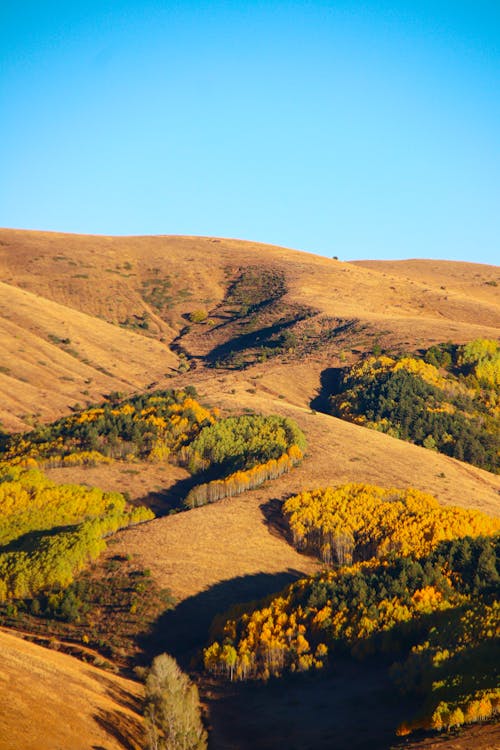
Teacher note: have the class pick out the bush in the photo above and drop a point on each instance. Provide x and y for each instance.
(198, 316)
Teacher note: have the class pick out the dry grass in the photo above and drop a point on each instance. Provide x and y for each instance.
(145, 483)
(80, 287)
(73, 287)
(51, 700)
(44, 378)
(191, 551)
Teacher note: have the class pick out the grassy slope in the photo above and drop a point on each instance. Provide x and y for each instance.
(338, 452)
(40, 377)
(411, 307)
(219, 547)
(51, 700)
(110, 279)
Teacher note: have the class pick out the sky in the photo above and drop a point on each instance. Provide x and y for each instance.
(366, 129)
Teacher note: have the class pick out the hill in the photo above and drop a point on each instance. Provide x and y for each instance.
(50, 699)
(141, 291)
(338, 452)
(255, 328)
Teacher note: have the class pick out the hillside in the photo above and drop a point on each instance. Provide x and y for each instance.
(338, 452)
(52, 700)
(255, 328)
(53, 355)
(140, 291)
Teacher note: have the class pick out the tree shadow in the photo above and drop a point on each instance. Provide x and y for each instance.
(32, 540)
(126, 729)
(329, 384)
(183, 631)
(172, 498)
(275, 522)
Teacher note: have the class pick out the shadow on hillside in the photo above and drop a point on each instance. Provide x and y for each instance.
(251, 340)
(273, 516)
(329, 384)
(184, 630)
(172, 498)
(352, 705)
(116, 693)
(123, 727)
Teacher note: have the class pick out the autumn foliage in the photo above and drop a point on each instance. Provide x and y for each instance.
(250, 450)
(240, 481)
(448, 399)
(423, 591)
(356, 522)
(49, 532)
(152, 426)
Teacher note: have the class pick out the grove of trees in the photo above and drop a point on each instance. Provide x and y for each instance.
(152, 426)
(424, 592)
(355, 522)
(49, 532)
(246, 450)
(447, 400)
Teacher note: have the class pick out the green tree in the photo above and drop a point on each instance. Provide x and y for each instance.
(172, 708)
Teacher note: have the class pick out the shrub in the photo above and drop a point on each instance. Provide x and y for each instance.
(198, 316)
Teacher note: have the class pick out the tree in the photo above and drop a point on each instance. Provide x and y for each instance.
(172, 708)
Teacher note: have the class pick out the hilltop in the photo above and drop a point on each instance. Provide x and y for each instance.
(83, 315)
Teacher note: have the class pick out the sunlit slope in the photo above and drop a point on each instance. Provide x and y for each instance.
(108, 276)
(476, 281)
(146, 287)
(54, 356)
(52, 700)
(191, 551)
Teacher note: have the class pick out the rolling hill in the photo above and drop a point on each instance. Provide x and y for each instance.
(254, 328)
(50, 699)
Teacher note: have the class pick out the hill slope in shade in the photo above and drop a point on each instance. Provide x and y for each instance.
(51, 700)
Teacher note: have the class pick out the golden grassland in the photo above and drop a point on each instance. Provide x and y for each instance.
(39, 376)
(79, 288)
(62, 299)
(52, 700)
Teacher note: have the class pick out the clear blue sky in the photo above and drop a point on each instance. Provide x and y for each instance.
(357, 129)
